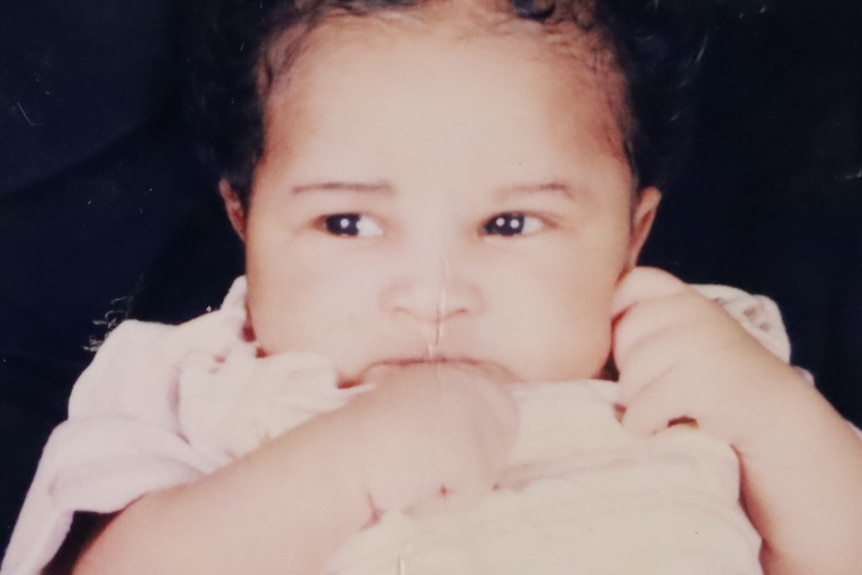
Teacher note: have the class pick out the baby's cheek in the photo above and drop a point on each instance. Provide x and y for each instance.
(273, 323)
(571, 342)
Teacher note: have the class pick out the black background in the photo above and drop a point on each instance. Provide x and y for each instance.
(105, 212)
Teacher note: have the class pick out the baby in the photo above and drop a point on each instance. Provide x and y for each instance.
(445, 200)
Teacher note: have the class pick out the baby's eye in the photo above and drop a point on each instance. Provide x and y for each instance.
(352, 225)
(512, 224)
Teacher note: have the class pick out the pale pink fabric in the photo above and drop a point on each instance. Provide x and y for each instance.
(164, 405)
(578, 495)
(122, 438)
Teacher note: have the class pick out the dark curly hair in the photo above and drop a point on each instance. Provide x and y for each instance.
(657, 44)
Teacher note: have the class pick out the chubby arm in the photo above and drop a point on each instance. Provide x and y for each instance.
(679, 355)
(283, 508)
(288, 506)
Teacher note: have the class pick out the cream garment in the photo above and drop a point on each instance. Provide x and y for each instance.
(579, 495)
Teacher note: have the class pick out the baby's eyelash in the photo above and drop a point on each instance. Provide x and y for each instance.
(512, 224)
(351, 225)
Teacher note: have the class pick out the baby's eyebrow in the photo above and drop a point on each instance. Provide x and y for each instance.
(552, 188)
(355, 187)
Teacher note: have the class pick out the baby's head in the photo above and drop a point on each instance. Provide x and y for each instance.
(444, 180)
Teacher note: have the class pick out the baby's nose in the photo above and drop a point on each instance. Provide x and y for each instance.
(431, 292)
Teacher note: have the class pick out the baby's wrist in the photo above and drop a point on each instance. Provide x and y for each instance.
(794, 416)
(320, 454)
(350, 496)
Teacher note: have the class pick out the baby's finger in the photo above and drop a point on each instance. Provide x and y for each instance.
(493, 419)
(642, 322)
(645, 361)
(645, 283)
(658, 405)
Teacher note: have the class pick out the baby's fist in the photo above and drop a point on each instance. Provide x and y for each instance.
(431, 430)
(681, 356)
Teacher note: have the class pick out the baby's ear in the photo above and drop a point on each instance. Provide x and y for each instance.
(643, 216)
(233, 206)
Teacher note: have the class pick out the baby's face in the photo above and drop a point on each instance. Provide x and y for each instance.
(434, 196)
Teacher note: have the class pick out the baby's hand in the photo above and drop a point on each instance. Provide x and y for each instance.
(680, 356)
(428, 430)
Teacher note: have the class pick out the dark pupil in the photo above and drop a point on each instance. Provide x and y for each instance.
(343, 224)
(505, 225)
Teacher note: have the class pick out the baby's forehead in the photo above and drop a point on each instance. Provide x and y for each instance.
(573, 39)
(570, 49)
